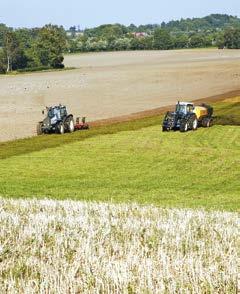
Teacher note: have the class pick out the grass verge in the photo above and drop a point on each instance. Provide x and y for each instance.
(37, 70)
(24, 146)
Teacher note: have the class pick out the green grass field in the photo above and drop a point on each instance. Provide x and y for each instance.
(131, 161)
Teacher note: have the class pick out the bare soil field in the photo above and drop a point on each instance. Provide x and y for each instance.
(108, 85)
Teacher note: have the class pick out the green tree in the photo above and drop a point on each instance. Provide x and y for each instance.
(220, 42)
(3, 30)
(144, 43)
(162, 40)
(197, 41)
(72, 45)
(122, 44)
(181, 41)
(50, 45)
(14, 55)
(147, 42)
(232, 38)
(26, 37)
(3, 62)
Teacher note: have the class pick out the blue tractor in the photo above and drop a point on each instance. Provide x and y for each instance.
(187, 116)
(57, 121)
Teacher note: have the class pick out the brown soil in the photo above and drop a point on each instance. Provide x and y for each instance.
(117, 86)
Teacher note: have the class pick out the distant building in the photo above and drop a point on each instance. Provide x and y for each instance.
(140, 34)
(74, 34)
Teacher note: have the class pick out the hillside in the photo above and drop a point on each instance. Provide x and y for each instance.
(131, 161)
(212, 22)
(219, 30)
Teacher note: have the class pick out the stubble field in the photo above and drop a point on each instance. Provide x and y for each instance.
(76, 247)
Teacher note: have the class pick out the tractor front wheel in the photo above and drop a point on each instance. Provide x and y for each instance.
(60, 128)
(184, 126)
(164, 129)
(195, 124)
(39, 129)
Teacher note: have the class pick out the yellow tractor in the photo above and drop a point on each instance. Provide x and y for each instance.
(187, 116)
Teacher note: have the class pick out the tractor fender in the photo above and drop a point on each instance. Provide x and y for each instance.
(191, 115)
(67, 117)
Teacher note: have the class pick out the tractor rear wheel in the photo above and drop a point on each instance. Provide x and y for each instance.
(70, 125)
(60, 128)
(183, 126)
(207, 122)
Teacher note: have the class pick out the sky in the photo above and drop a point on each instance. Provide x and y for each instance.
(90, 13)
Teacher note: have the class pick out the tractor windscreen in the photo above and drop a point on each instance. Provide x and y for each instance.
(51, 113)
(184, 108)
(63, 111)
(181, 108)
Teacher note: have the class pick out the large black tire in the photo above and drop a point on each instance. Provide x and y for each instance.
(39, 129)
(207, 122)
(164, 129)
(211, 122)
(195, 124)
(60, 128)
(69, 125)
(183, 126)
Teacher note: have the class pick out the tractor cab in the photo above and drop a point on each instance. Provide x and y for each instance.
(58, 112)
(184, 108)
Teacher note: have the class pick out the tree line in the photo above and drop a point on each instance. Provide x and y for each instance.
(32, 49)
(215, 30)
(159, 39)
(43, 48)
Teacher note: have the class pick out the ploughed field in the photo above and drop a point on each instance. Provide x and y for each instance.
(106, 85)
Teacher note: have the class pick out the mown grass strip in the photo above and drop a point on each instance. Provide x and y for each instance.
(24, 146)
(193, 169)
